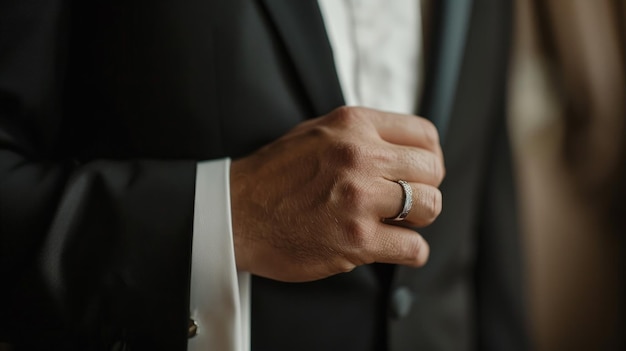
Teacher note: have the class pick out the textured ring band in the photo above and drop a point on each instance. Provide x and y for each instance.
(407, 201)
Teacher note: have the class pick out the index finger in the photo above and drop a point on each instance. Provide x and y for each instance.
(407, 130)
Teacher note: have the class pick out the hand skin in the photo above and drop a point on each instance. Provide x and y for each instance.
(312, 204)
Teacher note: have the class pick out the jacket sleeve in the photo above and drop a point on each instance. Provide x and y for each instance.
(94, 253)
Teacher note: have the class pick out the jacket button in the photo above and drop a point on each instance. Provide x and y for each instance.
(401, 302)
(192, 328)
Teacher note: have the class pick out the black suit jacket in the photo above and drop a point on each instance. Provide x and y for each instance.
(105, 108)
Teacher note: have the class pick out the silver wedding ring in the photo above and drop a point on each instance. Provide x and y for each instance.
(407, 201)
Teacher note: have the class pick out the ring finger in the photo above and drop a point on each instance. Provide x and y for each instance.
(425, 206)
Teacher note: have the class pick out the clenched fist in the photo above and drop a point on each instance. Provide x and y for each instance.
(314, 202)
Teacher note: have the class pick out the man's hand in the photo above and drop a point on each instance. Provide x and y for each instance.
(312, 204)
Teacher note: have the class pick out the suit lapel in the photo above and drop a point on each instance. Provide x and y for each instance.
(301, 28)
(448, 25)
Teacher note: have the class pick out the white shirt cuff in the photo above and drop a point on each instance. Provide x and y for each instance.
(219, 295)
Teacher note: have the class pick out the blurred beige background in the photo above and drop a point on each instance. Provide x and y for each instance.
(567, 120)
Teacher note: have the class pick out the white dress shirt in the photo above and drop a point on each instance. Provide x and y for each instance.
(377, 51)
(376, 46)
(219, 296)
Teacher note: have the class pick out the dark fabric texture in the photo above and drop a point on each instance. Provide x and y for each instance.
(105, 108)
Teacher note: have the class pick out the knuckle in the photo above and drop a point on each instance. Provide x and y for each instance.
(382, 156)
(320, 132)
(430, 166)
(357, 235)
(409, 249)
(438, 169)
(349, 192)
(431, 133)
(346, 115)
(413, 251)
(346, 267)
(436, 203)
(430, 202)
(442, 171)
